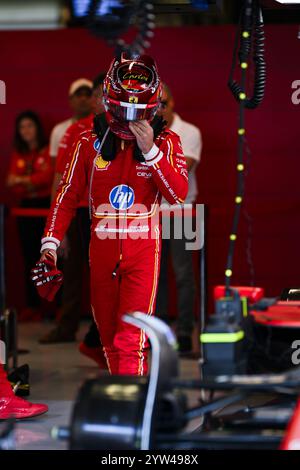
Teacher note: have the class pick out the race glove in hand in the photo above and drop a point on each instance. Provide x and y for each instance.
(46, 277)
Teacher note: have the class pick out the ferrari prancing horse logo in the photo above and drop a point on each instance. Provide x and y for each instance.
(133, 99)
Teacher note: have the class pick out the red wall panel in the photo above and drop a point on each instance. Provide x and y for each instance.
(38, 67)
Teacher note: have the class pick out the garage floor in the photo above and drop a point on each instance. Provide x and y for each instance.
(56, 372)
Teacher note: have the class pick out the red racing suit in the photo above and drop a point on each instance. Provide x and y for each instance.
(72, 135)
(125, 233)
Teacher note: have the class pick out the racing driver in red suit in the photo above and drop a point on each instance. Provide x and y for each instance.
(128, 162)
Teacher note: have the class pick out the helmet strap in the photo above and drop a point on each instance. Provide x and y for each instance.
(108, 151)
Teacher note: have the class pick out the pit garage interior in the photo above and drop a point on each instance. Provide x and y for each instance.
(233, 71)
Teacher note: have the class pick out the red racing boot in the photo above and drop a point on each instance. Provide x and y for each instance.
(12, 406)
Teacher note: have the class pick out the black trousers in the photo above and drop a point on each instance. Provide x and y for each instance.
(31, 231)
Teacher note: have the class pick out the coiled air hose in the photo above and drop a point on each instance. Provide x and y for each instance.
(251, 35)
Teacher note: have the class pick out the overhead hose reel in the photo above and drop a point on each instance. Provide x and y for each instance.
(110, 20)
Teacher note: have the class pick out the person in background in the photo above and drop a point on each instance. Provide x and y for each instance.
(69, 321)
(182, 259)
(80, 92)
(29, 179)
(80, 99)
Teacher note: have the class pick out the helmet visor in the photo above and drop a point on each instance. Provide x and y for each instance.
(130, 111)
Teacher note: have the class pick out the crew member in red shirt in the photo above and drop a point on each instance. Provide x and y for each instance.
(69, 320)
(30, 179)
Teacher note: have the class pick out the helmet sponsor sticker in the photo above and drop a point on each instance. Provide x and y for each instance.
(136, 79)
(121, 197)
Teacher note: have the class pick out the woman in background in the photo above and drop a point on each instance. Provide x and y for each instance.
(30, 179)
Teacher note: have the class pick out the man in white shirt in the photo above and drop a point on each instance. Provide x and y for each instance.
(80, 93)
(182, 259)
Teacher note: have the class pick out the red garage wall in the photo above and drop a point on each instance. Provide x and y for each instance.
(38, 67)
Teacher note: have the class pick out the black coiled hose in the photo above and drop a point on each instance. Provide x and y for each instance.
(251, 25)
(113, 24)
(249, 37)
(260, 66)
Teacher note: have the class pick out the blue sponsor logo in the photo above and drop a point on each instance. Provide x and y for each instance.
(97, 144)
(121, 197)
